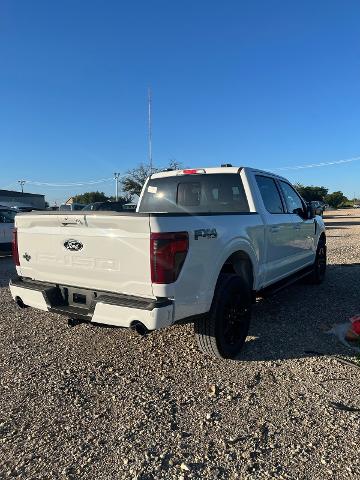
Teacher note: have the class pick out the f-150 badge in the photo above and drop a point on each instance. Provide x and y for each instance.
(205, 233)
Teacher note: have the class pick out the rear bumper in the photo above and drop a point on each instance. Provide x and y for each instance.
(101, 307)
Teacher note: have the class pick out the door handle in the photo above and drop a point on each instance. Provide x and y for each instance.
(274, 229)
(297, 227)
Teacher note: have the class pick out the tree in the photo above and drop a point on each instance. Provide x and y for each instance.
(335, 199)
(311, 193)
(174, 164)
(127, 198)
(90, 197)
(135, 178)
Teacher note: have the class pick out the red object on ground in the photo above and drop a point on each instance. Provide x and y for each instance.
(353, 333)
(356, 327)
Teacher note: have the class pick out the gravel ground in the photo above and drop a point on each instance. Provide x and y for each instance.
(102, 403)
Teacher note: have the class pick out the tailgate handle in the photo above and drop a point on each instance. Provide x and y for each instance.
(71, 222)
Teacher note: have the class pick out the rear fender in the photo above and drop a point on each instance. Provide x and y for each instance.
(237, 252)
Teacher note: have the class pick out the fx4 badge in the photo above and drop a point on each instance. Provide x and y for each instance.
(205, 233)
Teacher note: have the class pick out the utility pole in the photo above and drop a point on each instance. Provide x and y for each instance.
(22, 182)
(150, 130)
(116, 178)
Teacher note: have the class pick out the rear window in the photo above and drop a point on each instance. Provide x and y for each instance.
(212, 193)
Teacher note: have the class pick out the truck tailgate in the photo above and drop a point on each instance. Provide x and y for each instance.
(104, 251)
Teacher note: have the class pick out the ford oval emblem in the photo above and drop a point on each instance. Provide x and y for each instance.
(73, 245)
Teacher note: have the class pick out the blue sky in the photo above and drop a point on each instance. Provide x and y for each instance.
(260, 83)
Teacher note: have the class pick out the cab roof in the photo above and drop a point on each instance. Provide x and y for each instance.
(210, 170)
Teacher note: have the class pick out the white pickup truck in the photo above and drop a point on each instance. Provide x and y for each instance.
(201, 245)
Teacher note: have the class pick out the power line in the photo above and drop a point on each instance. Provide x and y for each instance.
(104, 180)
(322, 164)
(60, 185)
(70, 184)
(8, 186)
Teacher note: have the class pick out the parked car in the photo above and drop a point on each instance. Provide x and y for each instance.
(200, 247)
(28, 209)
(104, 206)
(7, 216)
(130, 206)
(71, 207)
(19, 207)
(319, 206)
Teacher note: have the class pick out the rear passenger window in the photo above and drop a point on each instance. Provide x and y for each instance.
(292, 199)
(270, 194)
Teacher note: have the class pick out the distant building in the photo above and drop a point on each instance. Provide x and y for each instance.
(10, 198)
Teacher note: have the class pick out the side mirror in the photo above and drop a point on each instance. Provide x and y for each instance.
(300, 212)
(311, 211)
(319, 211)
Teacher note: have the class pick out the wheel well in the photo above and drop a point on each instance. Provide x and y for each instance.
(240, 264)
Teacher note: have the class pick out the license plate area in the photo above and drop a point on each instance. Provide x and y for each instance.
(76, 297)
(79, 298)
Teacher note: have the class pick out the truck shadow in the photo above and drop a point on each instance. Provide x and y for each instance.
(327, 217)
(336, 221)
(7, 270)
(295, 322)
(341, 224)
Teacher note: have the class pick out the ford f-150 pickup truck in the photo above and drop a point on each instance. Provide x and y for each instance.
(200, 247)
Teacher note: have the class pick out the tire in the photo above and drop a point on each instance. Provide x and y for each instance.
(222, 332)
(319, 268)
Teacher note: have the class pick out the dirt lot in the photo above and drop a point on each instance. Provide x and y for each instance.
(103, 403)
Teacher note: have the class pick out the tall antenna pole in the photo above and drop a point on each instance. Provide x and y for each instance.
(150, 130)
(116, 178)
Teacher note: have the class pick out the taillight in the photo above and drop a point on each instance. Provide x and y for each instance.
(167, 255)
(193, 171)
(15, 248)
